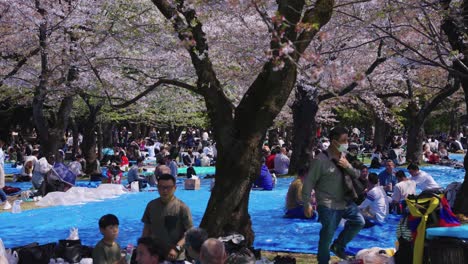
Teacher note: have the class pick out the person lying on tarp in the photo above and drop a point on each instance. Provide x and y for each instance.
(294, 203)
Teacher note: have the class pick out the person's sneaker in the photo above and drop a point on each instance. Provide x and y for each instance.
(6, 206)
(339, 252)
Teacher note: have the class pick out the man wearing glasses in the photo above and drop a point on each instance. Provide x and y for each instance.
(168, 218)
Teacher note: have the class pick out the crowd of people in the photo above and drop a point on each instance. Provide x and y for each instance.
(324, 187)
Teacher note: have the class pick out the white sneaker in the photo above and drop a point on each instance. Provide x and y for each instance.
(7, 206)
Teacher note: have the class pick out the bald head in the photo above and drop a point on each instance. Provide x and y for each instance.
(212, 252)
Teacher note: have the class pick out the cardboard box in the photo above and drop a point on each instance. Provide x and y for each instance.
(192, 184)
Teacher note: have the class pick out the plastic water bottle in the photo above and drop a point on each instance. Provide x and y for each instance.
(128, 257)
(16, 207)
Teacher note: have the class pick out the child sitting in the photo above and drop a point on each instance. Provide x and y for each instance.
(107, 251)
(114, 174)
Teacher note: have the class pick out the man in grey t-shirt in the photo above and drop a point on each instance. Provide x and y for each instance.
(168, 218)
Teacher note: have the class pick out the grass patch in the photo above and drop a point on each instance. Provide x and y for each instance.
(300, 257)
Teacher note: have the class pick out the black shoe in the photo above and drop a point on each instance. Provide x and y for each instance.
(339, 252)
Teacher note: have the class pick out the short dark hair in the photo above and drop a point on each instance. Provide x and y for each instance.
(413, 166)
(166, 177)
(108, 220)
(363, 167)
(336, 133)
(155, 247)
(139, 159)
(373, 178)
(400, 174)
(302, 171)
(195, 238)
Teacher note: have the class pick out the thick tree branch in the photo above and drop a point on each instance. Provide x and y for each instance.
(22, 61)
(150, 89)
(317, 17)
(395, 94)
(453, 84)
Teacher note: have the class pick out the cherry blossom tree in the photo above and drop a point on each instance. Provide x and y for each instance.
(239, 131)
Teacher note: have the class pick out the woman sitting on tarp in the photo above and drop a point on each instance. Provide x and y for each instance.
(265, 180)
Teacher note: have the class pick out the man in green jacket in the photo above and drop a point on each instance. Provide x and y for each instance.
(335, 201)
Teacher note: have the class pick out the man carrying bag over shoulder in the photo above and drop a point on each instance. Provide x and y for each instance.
(332, 177)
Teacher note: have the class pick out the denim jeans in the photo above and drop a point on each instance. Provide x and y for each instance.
(3, 196)
(330, 219)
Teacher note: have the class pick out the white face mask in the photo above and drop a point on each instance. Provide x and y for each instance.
(343, 148)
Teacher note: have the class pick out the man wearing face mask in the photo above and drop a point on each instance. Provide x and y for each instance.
(335, 201)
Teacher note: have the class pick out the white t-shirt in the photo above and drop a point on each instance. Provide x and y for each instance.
(403, 189)
(205, 136)
(281, 163)
(151, 152)
(377, 155)
(75, 167)
(459, 144)
(377, 202)
(424, 181)
(70, 141)
(208, 151)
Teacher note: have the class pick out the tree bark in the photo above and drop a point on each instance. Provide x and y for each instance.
(418, 115)
(381, 131)
(304, 108)
(415, 135)
(50, 132)
(273, 137)
(88, 146)
(174, 134)
(99, 141)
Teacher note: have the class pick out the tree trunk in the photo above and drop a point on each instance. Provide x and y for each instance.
(304, 108)
(273, 137)
(107, 134)
(227, 210)
(50, 133)
(99, 141)
(174, 134)
(381, 131)
(89, 145)
(89, 135)
(415, 141)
